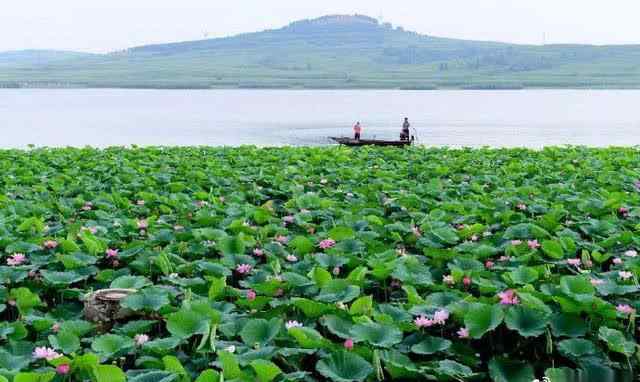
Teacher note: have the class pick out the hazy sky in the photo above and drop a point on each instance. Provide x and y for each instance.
(106, 25)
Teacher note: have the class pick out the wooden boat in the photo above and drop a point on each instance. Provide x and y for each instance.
(370, 142)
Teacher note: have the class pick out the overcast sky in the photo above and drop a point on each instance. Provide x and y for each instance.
(107, 25)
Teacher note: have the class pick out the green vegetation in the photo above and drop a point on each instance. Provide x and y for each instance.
(339, 52)
(314, 264)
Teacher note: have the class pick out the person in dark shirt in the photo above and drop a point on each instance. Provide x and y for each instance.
(404, 134)
(357, 130)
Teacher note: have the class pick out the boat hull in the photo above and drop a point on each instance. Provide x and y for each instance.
(369, 142)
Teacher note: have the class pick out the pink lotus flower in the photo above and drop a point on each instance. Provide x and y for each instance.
(16, 259)
(423, 322)
(258, 252)
(625, 275)
(87, 206)
(243, 269)
(489, 264)
(327, 243)
(348, 344)
(504, 258)
(416, 231)
(282, 239)
(201, 203)
(50, 244)
(448, 279)
(178, 228)
(516, 242)
(533, 244)
(463, 333)
(625, 309)
(292, 324)
(141, 339)
(440, 317)
(574, 262)
(631, 253)
(466, 281)
(508, 297)
(63, 369)
(596, 282)
(292, 258)
(140, 202)
(55, 327)
(521, 206)
(142, 224)
(336, 271)
(617, 260)
(460, 227)
(251, 295)
(288, 219)
(474, 238)
(111, 253)
(624, 211)
(45, 353)
(93, 230)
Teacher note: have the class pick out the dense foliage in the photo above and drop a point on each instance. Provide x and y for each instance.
(315, 264)
(332, 52)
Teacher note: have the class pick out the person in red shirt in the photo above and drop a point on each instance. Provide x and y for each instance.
(357, 129)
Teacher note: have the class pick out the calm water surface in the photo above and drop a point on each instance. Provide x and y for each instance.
(531, 118)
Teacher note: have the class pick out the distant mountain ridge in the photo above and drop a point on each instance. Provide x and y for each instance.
(336, 51)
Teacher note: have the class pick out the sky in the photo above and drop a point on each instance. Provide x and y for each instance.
(109, 25)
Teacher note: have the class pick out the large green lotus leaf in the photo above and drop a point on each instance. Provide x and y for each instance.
(562, 374)
(616, 341)
(344, 366)
(445, 235)
(399, 366)
(265, 370)
(526, 321)
(612, 288)
(553, 249)
(154, 376)
(341, 233)
(187, 323)
(149, 299)
(232, 245)
(108, 373)
(65, 340)
(330, 261)
(25, 299)
(523, 275)
(132, 328)
(482, 318)
(454, 369)
(338, 326)
(78, 327)
(130, 282)
(62, 278)
(363, 306)
(14, 362)
(260, 331)
(208, 375)
(505, 370)
(577, 347)
(76, 260)
(162, 346)
(109, 345)
(525, 231)
(377, 334)
(301, 245)
(409, 270)
(310, 308)
(34, 377)
(568, 325)
(309, 338)
(431, 345)
(577, 287)
(338, 291)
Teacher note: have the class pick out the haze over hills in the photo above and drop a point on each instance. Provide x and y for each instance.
(331, 52)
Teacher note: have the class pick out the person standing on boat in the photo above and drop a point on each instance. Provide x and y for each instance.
(404, 134)
(357, 130)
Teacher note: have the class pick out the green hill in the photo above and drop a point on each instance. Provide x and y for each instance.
(338, 52)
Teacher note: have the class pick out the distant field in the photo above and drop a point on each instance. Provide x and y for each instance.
(354, 52)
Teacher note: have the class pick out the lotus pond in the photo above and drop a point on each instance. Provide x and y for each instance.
(320, 264)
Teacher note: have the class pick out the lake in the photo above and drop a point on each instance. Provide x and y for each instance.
(521, 118)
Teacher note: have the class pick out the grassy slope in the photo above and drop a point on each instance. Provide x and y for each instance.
(349, 54)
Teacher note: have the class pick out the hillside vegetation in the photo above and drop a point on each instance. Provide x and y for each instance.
(338, 52)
